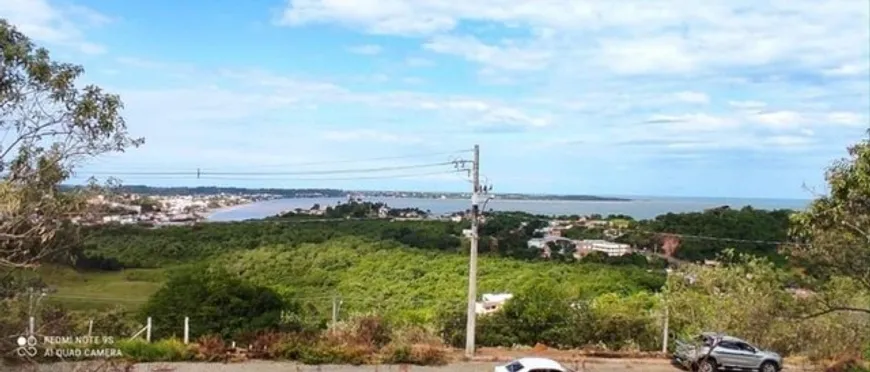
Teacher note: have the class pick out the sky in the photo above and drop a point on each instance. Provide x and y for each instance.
(716, 98)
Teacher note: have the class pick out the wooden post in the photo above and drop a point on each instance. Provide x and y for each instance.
(186, 329)
(148, 330)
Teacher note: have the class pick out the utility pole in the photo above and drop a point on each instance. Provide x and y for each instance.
(667, 315)
(472, 265)
(335, 303)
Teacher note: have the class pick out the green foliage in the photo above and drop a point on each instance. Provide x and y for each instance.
(412, 285)
(746, 223)
(352, 209)
(834, 232)
(140, 247)
(747, 298)
(50, 123)
(544, 314)
(216, 302)
(168, 350)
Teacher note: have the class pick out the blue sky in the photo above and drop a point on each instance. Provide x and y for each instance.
(673, 97)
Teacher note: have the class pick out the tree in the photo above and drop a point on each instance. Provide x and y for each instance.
(216, 302)
(51, 125)
(833, 234)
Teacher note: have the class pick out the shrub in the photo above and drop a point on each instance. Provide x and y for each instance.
(327, 353)
(264, 345)
(210, 348)
(418, 354)
(414, 345)
(216, 302)
(170, 350)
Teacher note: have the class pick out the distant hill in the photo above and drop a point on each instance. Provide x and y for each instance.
(336, 193)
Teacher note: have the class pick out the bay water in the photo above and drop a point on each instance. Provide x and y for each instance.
(638, 208)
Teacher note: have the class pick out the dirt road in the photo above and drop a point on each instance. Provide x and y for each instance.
(591, 365)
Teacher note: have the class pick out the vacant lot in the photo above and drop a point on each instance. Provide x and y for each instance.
(100, 290)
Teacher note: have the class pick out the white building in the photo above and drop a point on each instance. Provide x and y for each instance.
(491, 302)
(539, 243)
(609, 248)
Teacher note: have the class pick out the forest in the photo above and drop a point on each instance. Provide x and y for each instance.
(503, 234)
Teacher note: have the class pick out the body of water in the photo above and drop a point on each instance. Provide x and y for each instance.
(639, 209)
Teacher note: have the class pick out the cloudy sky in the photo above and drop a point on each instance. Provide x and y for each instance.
(629, 97)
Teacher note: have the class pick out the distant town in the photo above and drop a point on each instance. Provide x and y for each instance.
(158, 210)
(182, 206)
(337, 193)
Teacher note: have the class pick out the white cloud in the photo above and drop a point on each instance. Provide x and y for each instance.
(369, 135)
(47, 23)
(848, 70)
(505, 57)
(366, 49)
(692, 97)
(847, 118)
(779, 119)
(693, 123)
(674, 36)
(747, 105)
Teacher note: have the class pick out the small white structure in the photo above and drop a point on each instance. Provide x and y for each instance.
(491, 302)
(609, 248)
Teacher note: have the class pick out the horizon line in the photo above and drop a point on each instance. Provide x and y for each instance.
(631, 197)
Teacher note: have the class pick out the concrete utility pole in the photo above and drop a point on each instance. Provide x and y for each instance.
(472, 265)
(667, 316)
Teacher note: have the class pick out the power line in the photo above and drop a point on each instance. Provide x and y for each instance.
(258, 177)
(363, 160)
(200, 173)
(397, 157)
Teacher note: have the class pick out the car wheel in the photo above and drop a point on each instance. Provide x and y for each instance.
(706, 365)
(768, 367)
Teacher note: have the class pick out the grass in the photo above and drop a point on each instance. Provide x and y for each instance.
(100, 290)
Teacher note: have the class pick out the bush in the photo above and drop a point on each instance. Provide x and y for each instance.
(418, 354)
(170, 350)
(216, 302)
(210, 348)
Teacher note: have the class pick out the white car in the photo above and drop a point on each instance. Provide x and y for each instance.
(533, 365)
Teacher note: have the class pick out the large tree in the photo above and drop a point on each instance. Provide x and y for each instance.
(833, 234)
(50, 125)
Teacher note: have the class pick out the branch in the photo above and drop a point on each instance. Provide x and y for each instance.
(835, 309)
(857, 230)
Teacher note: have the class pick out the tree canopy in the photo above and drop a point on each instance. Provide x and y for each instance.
(833, 234)
(52, 124)
(216, 302)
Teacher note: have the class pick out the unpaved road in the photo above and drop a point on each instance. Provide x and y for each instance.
(591, 365)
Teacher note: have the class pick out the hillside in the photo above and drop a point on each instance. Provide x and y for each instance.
(414, 283)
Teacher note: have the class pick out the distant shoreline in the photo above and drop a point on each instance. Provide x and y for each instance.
(338, 193)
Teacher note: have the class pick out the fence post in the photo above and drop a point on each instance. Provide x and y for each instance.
(31, 326)
(148, 330)
(186, 329)
(90, 327)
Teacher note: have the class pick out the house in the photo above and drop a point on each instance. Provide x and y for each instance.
(491, 302)
(610, 248)
(539, 243)
(383, 212)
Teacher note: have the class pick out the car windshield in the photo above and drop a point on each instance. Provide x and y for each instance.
(514, 367)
